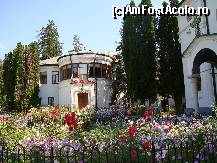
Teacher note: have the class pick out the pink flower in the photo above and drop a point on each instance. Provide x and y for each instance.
(1, 117)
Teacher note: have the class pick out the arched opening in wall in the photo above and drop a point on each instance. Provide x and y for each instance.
(82, 100)
(201, 71)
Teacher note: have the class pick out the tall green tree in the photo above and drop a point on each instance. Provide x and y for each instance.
(146, 56)
(171, 80)
(77, 44)
(19, 67)
(128, 37)
(1, 84)
(49, 45)
(139, 55)
(118, 79)
(33, 71)
(12, 77)
(21, 77)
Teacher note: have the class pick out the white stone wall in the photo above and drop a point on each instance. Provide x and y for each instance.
(68, 92)
(104, 92)
(206, 95)
(65, 93)
(212, 5)
(49, 89)
(190, 46)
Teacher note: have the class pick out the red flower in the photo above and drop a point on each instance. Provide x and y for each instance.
(133, 154)
(89, 81)
(132, 131)
(122, 137)
(71, 128)
(70, 119)
(146, 145)
(148, 113)
(54, 113)
(82, 81)
(148, 118)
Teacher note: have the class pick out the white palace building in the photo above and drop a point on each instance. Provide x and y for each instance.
(79, 79)
(198, 38)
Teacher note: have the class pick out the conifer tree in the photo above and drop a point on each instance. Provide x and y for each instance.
(1, 84)
(171, 81)
(19, 68)
(13, 76)
(146, 56)
(118, 78)
(138, 50)
(21, 77)
(33, 72)
(77, 45)
(128, 52)
(49, 45)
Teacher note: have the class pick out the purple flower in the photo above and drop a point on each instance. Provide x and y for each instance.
(65, 142)
(56, 141)
(180, 157)
(210, 148)
(43, 146)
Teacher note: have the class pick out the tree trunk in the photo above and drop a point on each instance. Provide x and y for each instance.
(178, 104)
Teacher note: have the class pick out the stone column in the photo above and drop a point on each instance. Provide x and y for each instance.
(194, 85)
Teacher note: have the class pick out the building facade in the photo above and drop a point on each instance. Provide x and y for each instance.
(78, 79)
(198, 38)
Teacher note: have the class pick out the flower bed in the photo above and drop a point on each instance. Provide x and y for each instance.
(53, 129)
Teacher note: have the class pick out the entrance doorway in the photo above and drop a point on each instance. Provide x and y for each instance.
(208, 56)
(82, 100)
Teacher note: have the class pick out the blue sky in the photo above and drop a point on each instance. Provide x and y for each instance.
(91, 20)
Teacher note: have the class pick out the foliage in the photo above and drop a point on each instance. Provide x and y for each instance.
(1, 85)
(118, 79)
(48, 127)
(138, 50)
(13, 76)
(77, 45)
(48, 42)
(21, 77)
(170, 71)
(33, 71)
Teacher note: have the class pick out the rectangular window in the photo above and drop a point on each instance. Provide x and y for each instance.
(83, 71)
(64, 73)
(75, 70)
(55, 77)
(69, 72)
(104, 71)
(51, 101)
(43, 77)
(61, 74)
(98, 71)
(90, 71)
